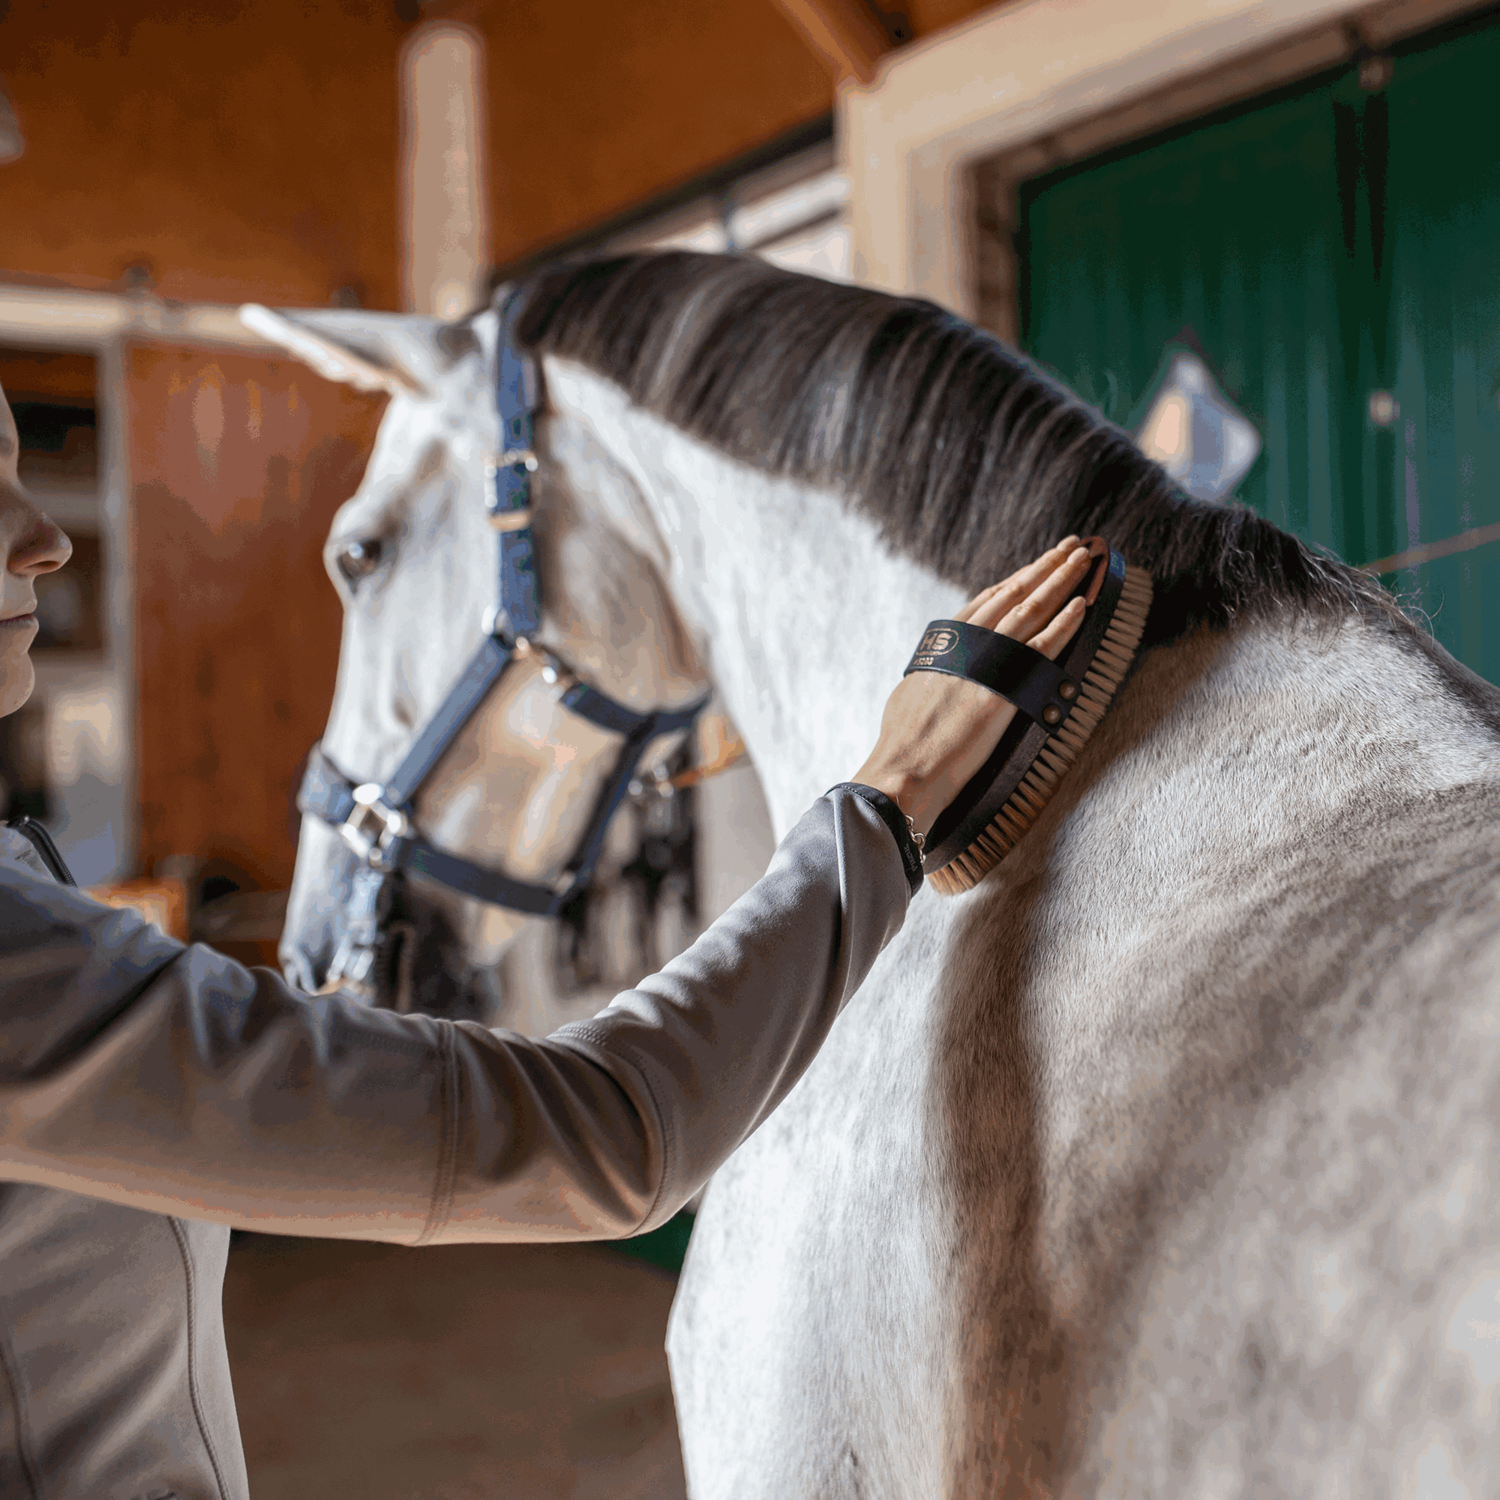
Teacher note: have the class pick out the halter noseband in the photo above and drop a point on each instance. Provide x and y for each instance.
(376, 821)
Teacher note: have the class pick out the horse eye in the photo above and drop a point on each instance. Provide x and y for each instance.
(358, 560)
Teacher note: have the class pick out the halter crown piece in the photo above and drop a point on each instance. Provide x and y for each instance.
(375, 819)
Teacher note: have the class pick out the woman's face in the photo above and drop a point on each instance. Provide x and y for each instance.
(29, 544)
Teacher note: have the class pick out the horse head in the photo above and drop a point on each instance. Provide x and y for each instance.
(414, 560)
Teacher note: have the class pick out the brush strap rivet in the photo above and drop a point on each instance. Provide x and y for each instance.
(1067, 691)
(1052, 714)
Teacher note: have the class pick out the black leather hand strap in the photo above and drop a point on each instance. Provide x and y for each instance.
(1039, 688)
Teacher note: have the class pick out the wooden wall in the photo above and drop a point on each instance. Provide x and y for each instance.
(48, 375)
(238, 466)
(239, 151)
(250, 150)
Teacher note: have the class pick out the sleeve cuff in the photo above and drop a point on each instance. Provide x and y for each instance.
(895, 820)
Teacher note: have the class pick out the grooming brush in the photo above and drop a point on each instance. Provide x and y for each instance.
(1059, 706)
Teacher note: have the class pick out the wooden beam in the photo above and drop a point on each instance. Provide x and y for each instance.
(845, 34)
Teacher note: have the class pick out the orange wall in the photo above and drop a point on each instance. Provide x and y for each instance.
(68, 379)
(249, 148)
(927, 16)
(239, 149)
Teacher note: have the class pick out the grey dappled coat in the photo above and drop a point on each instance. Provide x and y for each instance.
(172, 1080)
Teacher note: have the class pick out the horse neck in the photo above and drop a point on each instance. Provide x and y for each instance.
(808, 618)
(805, 616)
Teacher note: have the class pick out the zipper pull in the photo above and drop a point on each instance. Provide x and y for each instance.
(40, 840)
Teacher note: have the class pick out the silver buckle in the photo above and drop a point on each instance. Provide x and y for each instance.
(373, 827)
(350, 970)
(511, 458)
(655, 786)
(557, 676)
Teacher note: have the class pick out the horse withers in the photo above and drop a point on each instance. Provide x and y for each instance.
(1164, 1163)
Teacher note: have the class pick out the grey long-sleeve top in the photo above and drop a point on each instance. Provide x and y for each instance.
(174, 1080)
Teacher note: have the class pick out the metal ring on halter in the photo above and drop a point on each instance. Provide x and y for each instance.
(511, 458)
(555, 672)
(373, 826)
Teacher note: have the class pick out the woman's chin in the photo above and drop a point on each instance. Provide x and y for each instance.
(17, 678)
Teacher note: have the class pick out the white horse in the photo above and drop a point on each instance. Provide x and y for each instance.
(1165, 1163)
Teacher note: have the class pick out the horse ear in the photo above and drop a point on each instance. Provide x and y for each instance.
(368, 365)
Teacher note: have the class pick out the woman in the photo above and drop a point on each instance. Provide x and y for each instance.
(152, 1095)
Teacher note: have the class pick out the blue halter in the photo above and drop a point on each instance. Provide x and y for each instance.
(375, 820)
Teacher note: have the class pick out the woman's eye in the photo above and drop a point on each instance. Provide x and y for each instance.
(358, 560)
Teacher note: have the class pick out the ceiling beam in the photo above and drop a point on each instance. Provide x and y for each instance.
(847, 35)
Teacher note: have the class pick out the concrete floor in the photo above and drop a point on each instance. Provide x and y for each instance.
(470, 1372)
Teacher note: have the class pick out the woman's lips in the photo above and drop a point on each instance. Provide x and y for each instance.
(19, 620)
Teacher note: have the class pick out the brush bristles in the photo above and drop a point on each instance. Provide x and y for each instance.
(1101, 680)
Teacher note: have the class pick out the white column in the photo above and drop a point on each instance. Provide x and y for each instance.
(445, 250)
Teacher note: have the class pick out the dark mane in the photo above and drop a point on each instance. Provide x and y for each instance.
(970, 459)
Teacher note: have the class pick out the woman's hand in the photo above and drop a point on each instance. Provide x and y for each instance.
(937, 731)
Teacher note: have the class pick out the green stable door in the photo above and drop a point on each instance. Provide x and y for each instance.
(1332, 253)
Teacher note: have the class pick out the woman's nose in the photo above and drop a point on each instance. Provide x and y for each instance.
(42, 546)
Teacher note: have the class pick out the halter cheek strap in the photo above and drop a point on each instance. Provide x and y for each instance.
(508, 479)
(375, 819)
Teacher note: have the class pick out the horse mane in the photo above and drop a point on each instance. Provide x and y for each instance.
(970, 458)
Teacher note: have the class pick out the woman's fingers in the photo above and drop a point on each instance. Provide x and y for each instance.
(1033, 605)
(1022, 614)
(996, 601)
(1030, 614)
(1057, 635)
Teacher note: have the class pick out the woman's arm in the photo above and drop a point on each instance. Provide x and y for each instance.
(176, 1080)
